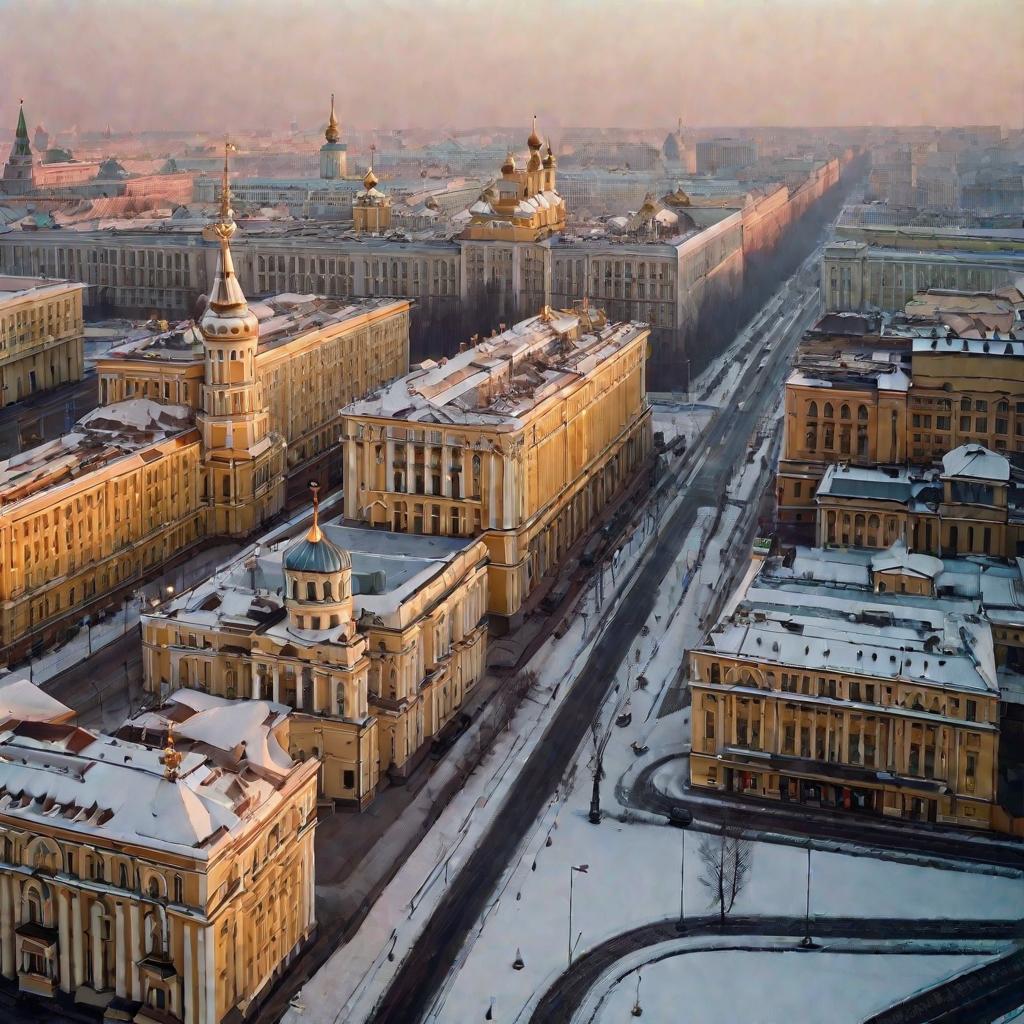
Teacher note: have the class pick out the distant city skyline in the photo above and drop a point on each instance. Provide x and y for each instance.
(196, 64)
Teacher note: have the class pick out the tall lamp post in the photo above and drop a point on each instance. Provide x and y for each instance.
(573, 868)
(681, 818)
(807, 942)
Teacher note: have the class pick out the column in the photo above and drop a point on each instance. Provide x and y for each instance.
(298, 688)
(188, 991)
(508, 493)
(78, 941)
(277, 684)
(6, 927)
(410, 469)
(428, 468)
(389, 464)
(446, 471)
(333, 688)
(136, 951)
(492, 490)
(257, 675)
(64, 940)
(120, 953)
(209, 976)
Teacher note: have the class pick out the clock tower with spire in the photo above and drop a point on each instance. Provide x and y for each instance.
(244, 460)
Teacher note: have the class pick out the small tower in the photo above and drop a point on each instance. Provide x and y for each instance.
(318, 579)
(371, 208)
(244, 462)
(17, 179)
(333, 153)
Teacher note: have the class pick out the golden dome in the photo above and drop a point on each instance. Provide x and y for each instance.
(509, 166)
(333, 132)
(369, 179)
(534, 161)
(534, 140)
(549, 158)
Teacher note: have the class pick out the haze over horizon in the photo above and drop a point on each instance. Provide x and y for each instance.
(206, 65)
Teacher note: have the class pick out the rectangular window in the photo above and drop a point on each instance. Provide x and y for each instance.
(709, 725)
(972, 711)
(348, 779)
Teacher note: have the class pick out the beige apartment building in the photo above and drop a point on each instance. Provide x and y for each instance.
(374, 638)
(193, 446)
(164, 875)
(842, 680)
(522, 440)
(40, 335)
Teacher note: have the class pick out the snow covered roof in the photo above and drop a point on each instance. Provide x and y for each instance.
(106, 433)
(898, 559)
(117, 788)
(822, 613)
(500, 379)
(975, 462)
(282, 318)
(22, 700)
(248, 592)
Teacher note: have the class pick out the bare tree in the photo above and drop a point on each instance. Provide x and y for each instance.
(725, 868)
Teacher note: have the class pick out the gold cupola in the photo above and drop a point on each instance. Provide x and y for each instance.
(534, 140)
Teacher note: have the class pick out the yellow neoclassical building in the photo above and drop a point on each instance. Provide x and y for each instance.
(840, 679)
(374, 638)
(200, 431)
(40, 335)
(969, 505)
(164, 875)
(522, 439)
(907, 394)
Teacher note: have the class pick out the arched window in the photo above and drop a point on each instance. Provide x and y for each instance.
(310, 591)
(812, 410)
(829, 413)
(862, 413)
(295, 590)
(328, 591)
(844, 411)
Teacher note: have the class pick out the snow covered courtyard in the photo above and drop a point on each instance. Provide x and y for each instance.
(726, 987)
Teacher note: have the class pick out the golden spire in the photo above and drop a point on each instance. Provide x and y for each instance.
(549, 158)
(224, 228)
(534, 140)
(315, 535)
(226, 293)
(171, 759)
(333, 132)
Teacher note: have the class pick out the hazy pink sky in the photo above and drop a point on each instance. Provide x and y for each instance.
(245, 63)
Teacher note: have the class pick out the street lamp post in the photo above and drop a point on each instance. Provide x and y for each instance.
(573, 868)
(807, 942)
(681, 818)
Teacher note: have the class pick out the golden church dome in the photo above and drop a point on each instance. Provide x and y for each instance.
(369, 179)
